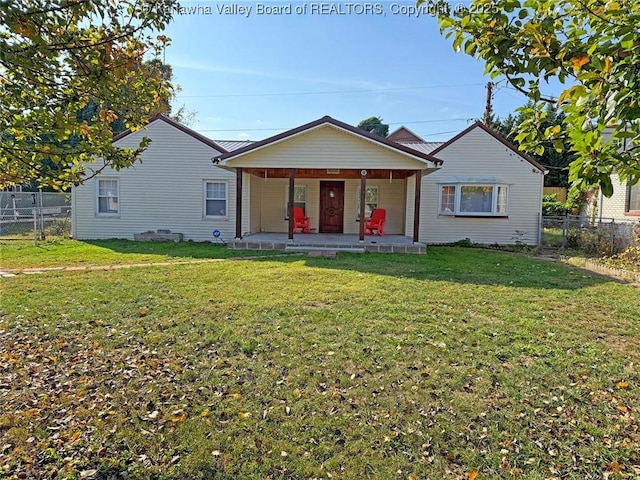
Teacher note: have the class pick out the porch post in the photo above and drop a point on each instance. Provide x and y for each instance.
(416, 207)
(363, 191)
(238, 203)
(292, 176)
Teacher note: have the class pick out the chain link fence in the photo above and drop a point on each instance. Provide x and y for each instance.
(34, 215)
(601, 236)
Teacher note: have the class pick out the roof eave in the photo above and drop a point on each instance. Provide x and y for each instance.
(495, 135)
(179, 126)
(318, 123)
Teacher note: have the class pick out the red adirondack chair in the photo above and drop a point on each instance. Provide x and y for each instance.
(376, 222)
(300, 221)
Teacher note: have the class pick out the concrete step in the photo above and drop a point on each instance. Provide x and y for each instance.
(311, 248)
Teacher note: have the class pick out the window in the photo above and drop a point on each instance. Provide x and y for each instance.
(107, 197)
(371, 200)
(634, 198)
(474, 200)
(215, 199)
(299, 199)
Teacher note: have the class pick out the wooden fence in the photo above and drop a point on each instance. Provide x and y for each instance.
(559, 192)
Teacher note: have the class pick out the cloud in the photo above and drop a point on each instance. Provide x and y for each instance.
(248, 72)
(243, 135)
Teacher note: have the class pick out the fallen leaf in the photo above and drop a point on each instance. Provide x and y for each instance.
(204, 412)
(143, 312)
(622, 384)
(180, 418)
(284, 454)
(614, 467)
(75, 436)
(472, 475)
(216, 453)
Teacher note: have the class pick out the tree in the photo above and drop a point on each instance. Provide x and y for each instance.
(557, 162)
(592, 46)
(374, 125)
(70, 70)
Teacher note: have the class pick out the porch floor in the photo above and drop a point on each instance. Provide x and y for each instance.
(327, 241)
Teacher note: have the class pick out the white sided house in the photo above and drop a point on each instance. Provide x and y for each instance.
(475, 186)
(486, 191)
(624, 204)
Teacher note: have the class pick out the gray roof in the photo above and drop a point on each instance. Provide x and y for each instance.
(231, 145)
(424, 147)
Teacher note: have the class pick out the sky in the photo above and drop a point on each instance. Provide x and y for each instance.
(251, 73)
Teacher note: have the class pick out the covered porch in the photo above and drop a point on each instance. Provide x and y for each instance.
(337, 175)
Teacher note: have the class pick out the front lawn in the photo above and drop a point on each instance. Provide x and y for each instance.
(459, 364)
(18, 254)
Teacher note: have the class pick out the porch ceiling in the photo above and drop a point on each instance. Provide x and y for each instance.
(329, 173)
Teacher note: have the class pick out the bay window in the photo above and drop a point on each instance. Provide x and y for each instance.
(472, 199)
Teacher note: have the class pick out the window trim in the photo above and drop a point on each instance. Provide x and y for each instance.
(377, 188)
(204, 199)
(97, 197)
(458, 194)
(627, 204)
(286, 199)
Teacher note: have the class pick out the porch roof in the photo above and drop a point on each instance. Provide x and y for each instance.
(326, 146)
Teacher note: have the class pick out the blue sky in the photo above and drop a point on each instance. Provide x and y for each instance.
(257, 75)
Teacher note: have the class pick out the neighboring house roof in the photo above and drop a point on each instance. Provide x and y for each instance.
(179, 126)
(403, 134)
(495, 135)
(326, 120)
(424, 147)
(231, 145)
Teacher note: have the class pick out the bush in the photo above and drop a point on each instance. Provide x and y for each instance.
(60, 227)
(554, 209)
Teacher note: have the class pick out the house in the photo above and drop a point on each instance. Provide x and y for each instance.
(624, 204)
(474, 186)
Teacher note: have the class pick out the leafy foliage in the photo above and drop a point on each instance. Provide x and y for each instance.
(58, 58)
(592, 46)
(374, 125)
(557, 162)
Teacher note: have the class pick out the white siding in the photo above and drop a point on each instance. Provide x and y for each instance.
(327, 147)
(478, 154)
(268, 209)
(164, 191)
(615, 206)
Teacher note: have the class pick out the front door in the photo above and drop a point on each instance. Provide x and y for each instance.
(331, 207)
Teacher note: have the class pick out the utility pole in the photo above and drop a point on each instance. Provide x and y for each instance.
(488, 108)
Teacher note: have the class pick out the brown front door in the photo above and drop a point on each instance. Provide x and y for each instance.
(331, 207)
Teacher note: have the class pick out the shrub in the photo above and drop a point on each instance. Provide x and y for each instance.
(60, 227)
(554, 209)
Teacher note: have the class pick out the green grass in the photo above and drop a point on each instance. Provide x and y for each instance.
(16, 254)
(363, 366)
